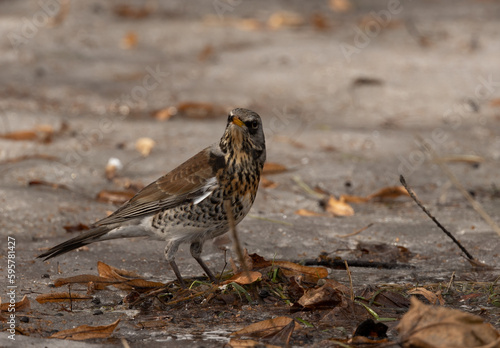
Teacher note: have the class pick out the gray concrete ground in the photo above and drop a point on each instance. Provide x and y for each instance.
(342, 104)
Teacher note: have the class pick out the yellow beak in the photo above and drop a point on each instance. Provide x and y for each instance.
(237, 121)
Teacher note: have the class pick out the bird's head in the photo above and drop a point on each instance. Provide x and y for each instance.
(244, 133)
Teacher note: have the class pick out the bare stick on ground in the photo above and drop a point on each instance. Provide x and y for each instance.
(475, 204)
(448, 233)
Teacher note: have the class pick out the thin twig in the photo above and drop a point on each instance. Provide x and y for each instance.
(339, 264)
(475, 204)
(356, 232)
(236, 240)
(298, 180)
(412, 195)
(350, 280)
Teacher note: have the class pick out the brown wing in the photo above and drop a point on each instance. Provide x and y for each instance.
(189, 182)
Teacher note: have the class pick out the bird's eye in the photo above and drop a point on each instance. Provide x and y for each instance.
(255, 124)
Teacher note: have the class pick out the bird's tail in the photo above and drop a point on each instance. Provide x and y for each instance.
(88, 237)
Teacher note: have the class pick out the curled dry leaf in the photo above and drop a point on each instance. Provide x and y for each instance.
(18, 306)
(86, 332)
(273, 168)
(266, 328)
(242, 278)
(144, 146)
(61, 297)
(385, 193)
(165, 113)
(340, 6)
(285, 19)
(307, 212)
(338, 207)
(308, 274)
(268, 184)
(99, 283)
(114, 197)
(429, 295)
(329, 295)
(433, 327)
(131, 12)
(126, 280)
(200, 110)
(234, 343)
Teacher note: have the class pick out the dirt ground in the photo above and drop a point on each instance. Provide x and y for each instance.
(347, 96)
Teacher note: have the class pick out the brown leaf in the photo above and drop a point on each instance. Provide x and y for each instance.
(144, 146)
(319, 22)
(234, 343)
(273, 168)
(18, 306)
(495, 102)
(99, 282)
(128, 11)
(429, 295)
(129, 41)
(340, 6)
(242, 278)
(389, 193)
(309, 274)
(42, 133)
(327, 296)
(126, 280)
(268, 184)
(165, 113)
(282, 19)
(433, 327)
(338, 207)
(206, 53)
(115, 197)
(267, 328)
(307, 212)
(200, 110)
(76, 228)
(385, 193)
(46, 183)
(61, 297)
(86, 332)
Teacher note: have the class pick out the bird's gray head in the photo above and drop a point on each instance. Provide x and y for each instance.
(244, 131)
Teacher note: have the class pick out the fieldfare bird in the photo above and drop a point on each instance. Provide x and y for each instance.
(187, 204)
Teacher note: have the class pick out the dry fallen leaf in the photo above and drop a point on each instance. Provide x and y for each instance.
(329, 295)
(206, 53)
(242, 279)
(165, 113)
(18, 306)
(429, 295)
(200, 110)
(384, 193)
(439, 327)
(340, 5)
(61, 297)
(144, 146)
(266, 328)
(115, 197)
(129, 41)
(99, 282)
(126, 280)
(308, 273)
(76, 228)
(285, 19)
(338, 207)
(86, 332)
(234, 343)
(273, 168)
(307, 212)
(268, 184)
(128, 11)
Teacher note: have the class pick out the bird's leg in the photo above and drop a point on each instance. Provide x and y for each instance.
(196, 248)
(170, 251)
